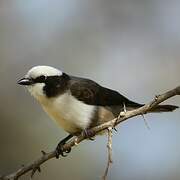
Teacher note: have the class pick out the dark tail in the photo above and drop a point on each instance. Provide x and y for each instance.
(164, 108)
(158, 108)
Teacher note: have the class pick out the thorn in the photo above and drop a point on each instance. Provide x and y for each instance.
(31, 177)
(156, 97)
(43, 152)
(124, 107)
(122, 113)
(114, 128)
(35, 168)
(76, 142)
(39, 169)
(32, 174)
(146, 123)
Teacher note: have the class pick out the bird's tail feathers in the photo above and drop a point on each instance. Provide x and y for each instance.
(158, 108)
(164, 108)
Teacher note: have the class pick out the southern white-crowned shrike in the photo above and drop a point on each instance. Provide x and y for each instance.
(76, 104)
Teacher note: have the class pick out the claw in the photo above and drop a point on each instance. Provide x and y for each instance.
(88, 133)
(59, 148)
(68, 150)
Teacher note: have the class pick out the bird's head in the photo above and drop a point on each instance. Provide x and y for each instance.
(45, 81)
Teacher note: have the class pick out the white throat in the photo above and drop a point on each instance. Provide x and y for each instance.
(36, 91)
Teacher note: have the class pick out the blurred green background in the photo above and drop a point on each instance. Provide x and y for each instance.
(132, 46)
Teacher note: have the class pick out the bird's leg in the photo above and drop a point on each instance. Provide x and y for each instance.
(88, 133)
(59, 148)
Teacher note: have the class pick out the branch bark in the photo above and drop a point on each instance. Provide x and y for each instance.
(109, 147)
(35, 165)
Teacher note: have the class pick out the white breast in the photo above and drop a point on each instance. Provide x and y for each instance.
(70, 113)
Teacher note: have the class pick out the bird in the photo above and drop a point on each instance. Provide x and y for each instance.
(76, 104)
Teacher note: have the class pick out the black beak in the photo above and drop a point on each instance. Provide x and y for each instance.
(25, 81)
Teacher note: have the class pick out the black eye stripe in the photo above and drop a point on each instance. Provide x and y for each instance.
(40, 79)
(53, 80)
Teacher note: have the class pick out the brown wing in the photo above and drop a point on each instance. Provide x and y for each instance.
(93, 94)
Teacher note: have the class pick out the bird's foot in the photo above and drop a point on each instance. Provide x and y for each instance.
(88, 133)
(61, 151)
(59, 148)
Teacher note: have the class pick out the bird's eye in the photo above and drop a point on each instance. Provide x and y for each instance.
(40, 79)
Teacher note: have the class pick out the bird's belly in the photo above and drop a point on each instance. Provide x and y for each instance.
(66, 124)
(69, 113)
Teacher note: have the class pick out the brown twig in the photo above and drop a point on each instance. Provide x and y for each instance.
(129, 114)
(109, 147)
(145, 122)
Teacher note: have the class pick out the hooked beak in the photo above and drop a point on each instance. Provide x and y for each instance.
(25, 81)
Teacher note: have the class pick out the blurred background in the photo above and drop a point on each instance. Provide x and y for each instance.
(132, 46)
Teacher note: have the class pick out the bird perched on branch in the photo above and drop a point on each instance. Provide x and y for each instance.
(75, 103)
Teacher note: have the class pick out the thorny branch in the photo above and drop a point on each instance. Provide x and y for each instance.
(35, 165)
(109, 147)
